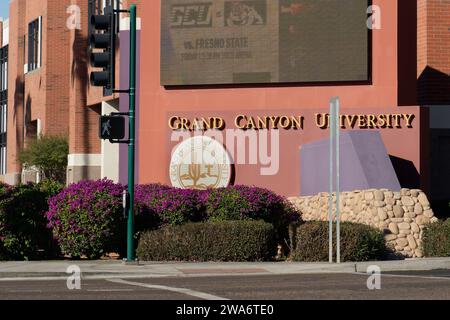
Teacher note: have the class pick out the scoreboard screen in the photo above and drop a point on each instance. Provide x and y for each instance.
(263, 41)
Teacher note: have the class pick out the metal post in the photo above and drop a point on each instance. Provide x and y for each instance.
(131, 144)
(330, 197)
(338, 216)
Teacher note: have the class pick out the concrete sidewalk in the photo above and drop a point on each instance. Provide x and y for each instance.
(115, 269)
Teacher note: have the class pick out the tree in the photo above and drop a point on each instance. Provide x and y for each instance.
(47, 154)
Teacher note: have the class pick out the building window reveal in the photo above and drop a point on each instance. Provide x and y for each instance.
(3, 106)
(34, 44)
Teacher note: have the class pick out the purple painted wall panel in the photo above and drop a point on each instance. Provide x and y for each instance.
(365, 164)
(124, 101)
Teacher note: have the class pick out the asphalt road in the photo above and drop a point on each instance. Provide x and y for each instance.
(403, 285)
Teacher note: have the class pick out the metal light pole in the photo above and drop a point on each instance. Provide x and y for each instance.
(338, 213)
(332, 123)
(132, 136)
(334, 178)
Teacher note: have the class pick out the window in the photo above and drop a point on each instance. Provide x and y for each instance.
(34, 44)
(114, 3)
(3, 106)
(4, 69)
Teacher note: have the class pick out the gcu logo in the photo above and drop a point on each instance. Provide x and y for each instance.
(194, 15)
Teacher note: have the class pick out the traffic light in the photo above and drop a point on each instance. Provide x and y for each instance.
(102, 42)
(112, 127)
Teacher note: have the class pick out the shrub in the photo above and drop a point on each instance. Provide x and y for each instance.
(436, 239)
(23, 227)
(158, 206)
(226, 204)
(3, 188)
(50, 188)
(209, 241)
(358, 242)
(87, 218)
(49, 155)
(251, 203)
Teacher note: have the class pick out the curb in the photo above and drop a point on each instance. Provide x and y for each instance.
(99, 270)
(6, 277)
(407, 265)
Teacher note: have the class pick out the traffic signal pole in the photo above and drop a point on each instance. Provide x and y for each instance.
(103, 32)
(132, 136)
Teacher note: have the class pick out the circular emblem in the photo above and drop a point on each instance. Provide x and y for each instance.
(200, 163)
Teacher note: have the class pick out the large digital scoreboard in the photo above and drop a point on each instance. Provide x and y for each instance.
(264, 41)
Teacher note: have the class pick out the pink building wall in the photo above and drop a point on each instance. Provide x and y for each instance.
(379, 97)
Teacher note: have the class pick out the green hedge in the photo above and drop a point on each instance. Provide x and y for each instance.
(24, 234)
(209, 241)
(358, 242)
(251, 203)
(436, 239)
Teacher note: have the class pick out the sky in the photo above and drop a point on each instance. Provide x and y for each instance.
(4, 8)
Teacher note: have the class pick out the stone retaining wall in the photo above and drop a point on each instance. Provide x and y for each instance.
(401, 215)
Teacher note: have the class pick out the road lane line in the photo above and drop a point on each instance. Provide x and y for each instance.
(25, 279)
(25, 291)
(83, 277)
(189, 292)
(390, 275)
(412, 276)
(110, 290)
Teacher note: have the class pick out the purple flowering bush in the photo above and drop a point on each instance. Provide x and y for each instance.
(159, 205)
(251, 203)
(86, 218)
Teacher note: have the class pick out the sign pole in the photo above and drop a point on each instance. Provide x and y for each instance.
(330, 197)
(132, 136)
(338, 215)
(334, 178)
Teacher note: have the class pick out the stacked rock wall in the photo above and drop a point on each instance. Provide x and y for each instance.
(401, 215)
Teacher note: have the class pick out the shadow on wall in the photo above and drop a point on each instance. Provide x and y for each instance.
(440, 171)
(79, 76)
(407, 174)
(19, 112)
(79, 69)
(30, 127)
(407, 53)
(28, 110)
(80, 81)
(409, 177)
(434, 87)
(441, 208)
